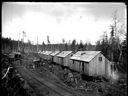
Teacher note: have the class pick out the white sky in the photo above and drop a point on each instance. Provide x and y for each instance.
(80, 21)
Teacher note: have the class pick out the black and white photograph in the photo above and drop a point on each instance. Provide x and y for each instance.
(64, 49)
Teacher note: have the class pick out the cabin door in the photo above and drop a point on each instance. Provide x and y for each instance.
(82, 67)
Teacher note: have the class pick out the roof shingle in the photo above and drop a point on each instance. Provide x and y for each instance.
(55, 53)
(64, 53)
(86, 56)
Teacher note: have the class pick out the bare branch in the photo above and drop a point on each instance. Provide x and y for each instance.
(6, 72)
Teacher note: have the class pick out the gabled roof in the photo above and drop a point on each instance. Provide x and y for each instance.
(86, 56)
(64, 53)
(43, 52)
(48, 52)
(17, 53)
(54, 53)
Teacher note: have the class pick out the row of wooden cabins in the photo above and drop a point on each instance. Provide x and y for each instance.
(92, 63)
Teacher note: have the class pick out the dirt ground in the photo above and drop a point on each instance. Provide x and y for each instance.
(95, 86)
(63, 76)
(13, 84)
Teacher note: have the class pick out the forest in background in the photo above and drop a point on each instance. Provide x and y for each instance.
(111, 46)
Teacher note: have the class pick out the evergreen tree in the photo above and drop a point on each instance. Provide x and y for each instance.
(81, 46)
(73, 46)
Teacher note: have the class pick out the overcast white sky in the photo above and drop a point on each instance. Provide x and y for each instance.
(80, 21)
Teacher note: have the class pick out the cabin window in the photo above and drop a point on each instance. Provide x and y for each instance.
(100, 58)
(83, 53)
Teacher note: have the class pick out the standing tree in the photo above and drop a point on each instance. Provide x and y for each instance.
(29, 45)
(63, 40)
(81, 46)
(104, 44)
(73, 45)
(88, 46)
(98, 45)
(115, 41)
(48, 42)
(43, 46)
(24, 35)
(37, 45)
(66, 47)
(63, 45)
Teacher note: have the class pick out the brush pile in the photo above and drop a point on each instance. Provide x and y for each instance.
(12, 83)
(98, 86)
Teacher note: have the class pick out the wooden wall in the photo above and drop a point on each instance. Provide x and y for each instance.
(97, 67)
(49, 57)
(45, 56)
(60, 60)
(86, 68)
(41, 55)
(108, 68)
(94, 67)
(66, 60)
(55, 59)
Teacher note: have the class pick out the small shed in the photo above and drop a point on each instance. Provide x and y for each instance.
(47, 55)
(15, 55)
(53, 56)
(64, 57)
(44, 54)
(41, 54)
(92, 63)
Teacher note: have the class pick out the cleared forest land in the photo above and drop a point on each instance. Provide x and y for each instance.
(48, 79)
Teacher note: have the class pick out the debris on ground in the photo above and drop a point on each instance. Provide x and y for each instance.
(99, 85)
(13, 84)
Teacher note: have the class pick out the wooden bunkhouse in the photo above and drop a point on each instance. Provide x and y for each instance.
(91, 63)
(15, 55)
(47, 55)
(41, 54)
(64, 58)
(53, 56)
(44, 55)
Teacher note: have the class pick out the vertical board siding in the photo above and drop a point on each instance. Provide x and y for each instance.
(65, 61)
(90, 68)
(104, 65)
(97, 67)
(59, 60)
(71, 63)
(100, 65)
(80, 67)
(86, 68)
(55, 59)
(94, 67)
(76, 66)
(108, 68)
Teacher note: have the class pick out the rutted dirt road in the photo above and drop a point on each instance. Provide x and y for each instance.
(44, 86)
